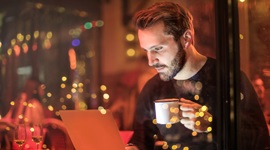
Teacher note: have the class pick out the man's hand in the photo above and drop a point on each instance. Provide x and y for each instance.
(195, 116)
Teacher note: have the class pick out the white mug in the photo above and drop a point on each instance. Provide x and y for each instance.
(167, 111)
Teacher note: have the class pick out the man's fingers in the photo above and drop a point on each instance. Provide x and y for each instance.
(188, 123)
(190, 107)
(188, 114)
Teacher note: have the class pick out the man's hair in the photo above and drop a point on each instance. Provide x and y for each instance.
(176, 18)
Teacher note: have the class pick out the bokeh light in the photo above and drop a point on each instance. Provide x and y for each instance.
(76, 42)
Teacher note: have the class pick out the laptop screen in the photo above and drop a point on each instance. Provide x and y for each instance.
(92, 129)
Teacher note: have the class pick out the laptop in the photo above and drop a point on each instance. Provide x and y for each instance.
(92, 129)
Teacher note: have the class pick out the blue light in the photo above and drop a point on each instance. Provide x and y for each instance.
(76, 42)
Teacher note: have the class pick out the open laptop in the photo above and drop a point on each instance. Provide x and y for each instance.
(92, 129)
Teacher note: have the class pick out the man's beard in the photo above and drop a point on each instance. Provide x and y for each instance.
(176, 65)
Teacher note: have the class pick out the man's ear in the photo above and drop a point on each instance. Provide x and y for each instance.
(187, 39)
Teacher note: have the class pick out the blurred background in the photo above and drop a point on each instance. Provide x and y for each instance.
(81, 51)
(86, 53)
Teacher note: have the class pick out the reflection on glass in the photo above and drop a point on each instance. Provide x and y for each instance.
(254, 27)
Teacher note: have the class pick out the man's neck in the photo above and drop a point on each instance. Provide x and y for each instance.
(195, 61)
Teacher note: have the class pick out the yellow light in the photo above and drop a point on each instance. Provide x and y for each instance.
(168, 125)
(7, 128)
(209, 129)
(12, 103)
(39, 5)
(36, 34)
(154, 121)
(241, 36)
(100, 107)
(49, 94)
(210, 119)
(64, 78)
(74, 85)
(93, 95)
(64, 107)
(25, 47)
(50, 108)
(106, 96)
(73, 90)
(204, 108)
(198, 85)
(57, 113)
(49, 35)
(130, 52)
(201, 114)
(30, 105)
(197, 114)
(196, 97)
(242, 1)
(20, 37)
(80, 84)
(174, 147)
(194, 133)
(68, 96)
(9, 51)
(20, 116)
(130, 37)
(103, 111)
(82, 105)
(63, 85)
(13, 42)
(32, 129)
(103, 87)
(26, 119)
(80, 90)
(28, 37)
(185, 148)
(165, 146)
(198, 123)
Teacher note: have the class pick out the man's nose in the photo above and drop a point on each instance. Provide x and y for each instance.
(151, 58)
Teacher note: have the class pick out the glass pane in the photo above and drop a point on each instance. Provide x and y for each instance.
(50, 57)
(254, 29)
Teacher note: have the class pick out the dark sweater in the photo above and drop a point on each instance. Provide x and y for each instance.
(202, 86)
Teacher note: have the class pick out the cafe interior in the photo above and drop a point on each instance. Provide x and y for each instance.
(84, 54)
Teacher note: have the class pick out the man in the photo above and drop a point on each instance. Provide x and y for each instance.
(166, 33)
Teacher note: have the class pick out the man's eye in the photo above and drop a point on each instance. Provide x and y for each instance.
(158, 48)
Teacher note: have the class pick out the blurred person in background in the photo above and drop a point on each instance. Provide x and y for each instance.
(27, 109)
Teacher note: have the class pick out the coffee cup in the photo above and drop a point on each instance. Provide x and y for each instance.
(167, 111)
